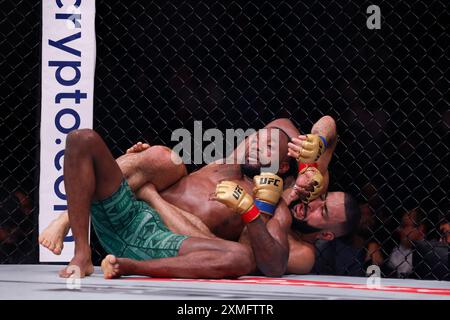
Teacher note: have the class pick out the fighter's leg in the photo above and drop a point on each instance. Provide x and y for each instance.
(158, 165)
(141, 164)
(198, 258)
(90, 173)
(176, 219)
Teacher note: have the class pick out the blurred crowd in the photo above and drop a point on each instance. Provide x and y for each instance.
(17, 227)
(407, 244)
(402, 246)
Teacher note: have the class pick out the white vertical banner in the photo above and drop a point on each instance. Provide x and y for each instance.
(68, 66)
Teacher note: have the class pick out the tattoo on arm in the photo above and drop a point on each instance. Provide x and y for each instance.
(325, 127)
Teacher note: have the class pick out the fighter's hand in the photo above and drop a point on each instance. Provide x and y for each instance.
(237, 199)
(267, 191)
(233, 196)
(308, 186)
(306, 149)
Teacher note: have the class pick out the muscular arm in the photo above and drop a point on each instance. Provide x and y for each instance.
(326, 127)
(283, 123)
(269, 241)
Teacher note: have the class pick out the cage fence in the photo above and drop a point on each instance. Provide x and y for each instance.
(240, 64)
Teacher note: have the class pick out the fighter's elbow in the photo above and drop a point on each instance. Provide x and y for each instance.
(329, 119)
(274, 272)
(332, 123)
(276, 267)
(326, 126)
(327, 122)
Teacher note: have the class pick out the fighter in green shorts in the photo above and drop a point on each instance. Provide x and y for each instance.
(127, 227)
(130, 229)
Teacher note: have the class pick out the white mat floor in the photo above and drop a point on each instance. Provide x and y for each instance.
(42, 282)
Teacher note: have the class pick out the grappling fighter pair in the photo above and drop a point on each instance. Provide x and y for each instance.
(221, 221)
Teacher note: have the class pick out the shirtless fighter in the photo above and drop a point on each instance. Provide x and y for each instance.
(130, 228)
(314, 213)
(192, 192)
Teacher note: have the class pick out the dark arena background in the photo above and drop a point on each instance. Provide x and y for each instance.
(161, 65)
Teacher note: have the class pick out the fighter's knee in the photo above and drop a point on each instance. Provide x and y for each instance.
(81, 137)
(166, 158)
(162, 152)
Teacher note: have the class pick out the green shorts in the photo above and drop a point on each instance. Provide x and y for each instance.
(130, 228)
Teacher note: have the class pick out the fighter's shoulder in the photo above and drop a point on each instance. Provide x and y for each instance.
(302, 255)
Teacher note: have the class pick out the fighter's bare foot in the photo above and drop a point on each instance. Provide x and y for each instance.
(52, 237)
(111, 267)
(138, 147)
(84, 264)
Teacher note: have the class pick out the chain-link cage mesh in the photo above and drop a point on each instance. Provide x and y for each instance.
(20, 77)
(161, 65)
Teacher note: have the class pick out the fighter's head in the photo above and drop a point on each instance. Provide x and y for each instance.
(333, 215)
(267, 150)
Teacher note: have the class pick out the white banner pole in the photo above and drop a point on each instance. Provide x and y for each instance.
(67, 84)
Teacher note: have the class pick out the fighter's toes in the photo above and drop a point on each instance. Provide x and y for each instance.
(77, 271)
(52, 237)
(138, 147)
(110, 267)
(65, 273)
(51, 246)
(57, 250)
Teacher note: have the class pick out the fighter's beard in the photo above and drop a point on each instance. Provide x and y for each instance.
(250, 170)
(301, 226)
